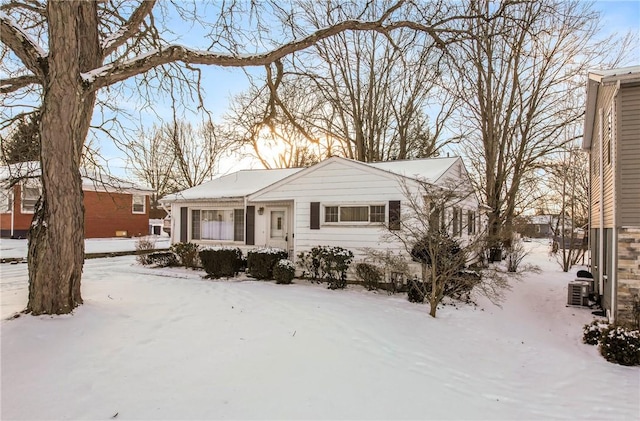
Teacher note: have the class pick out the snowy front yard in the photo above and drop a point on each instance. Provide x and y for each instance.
(165, 344)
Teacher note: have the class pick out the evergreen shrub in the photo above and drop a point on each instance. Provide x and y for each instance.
(284, 271)
(592, 332)
(221, 262)
(326, 263)
(620, 345)
(416, 291)
(261, 262)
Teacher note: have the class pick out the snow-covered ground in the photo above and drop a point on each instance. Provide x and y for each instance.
(166, 344)
(11, 249)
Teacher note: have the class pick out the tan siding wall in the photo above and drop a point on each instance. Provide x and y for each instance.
(605, 99)
(629, 156)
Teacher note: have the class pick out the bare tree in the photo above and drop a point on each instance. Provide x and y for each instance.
(63, 53)
(151, 160)
(568, 182)
(514, 76)
(259, 120)
(369, 93)
(437, 232)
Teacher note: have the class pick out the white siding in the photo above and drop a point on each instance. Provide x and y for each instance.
(340, 184)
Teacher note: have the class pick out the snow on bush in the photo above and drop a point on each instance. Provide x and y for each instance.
(284, 271)
(620, 345)
(262, 261)
(592, 332)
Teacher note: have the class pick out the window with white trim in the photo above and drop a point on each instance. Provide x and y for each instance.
(355, 213)
(217, 224)
(6, 201)
(30, 193)
(139, 202)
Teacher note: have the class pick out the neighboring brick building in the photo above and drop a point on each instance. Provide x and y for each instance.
(112, 207)
(612, 137)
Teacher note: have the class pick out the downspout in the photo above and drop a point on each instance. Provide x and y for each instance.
(13, 207)
(601, 209)
(614, 159)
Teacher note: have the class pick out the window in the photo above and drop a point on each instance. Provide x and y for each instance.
(354, 213)
(238, 225)
(331, 214)
(30, 195)
(217, 224)
(377, 213)
(139, 202)
(344, 214)
(6, 201)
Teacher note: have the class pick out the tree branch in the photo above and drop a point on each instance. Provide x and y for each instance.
(28, 51)
(126, 32)
(15, 83)
(117, 72)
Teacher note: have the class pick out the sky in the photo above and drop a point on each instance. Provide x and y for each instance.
(221, 84)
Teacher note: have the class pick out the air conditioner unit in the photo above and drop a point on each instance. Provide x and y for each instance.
(578, 293)
(589, 281)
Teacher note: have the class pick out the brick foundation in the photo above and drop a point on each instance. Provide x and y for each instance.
(628, 273)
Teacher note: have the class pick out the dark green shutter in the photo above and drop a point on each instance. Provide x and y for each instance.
(315, 216)
(251, 226)
(394, 214)
(184, 213)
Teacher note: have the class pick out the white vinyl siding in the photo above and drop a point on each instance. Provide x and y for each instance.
(341, 184)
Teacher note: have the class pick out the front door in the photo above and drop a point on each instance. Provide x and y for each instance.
(278, 229)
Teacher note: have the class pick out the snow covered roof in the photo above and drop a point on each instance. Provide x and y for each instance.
(91, 180)
(237, 184)
(427, 169)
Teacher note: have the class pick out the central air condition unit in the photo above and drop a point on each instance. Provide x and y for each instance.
(578, 293)
(589, 281)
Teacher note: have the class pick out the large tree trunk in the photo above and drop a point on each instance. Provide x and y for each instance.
(56, 237)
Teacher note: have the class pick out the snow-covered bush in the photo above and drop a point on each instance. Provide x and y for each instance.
(370, 275)
(162, 259)
(221, 262)
(284, 271)
(143, 245)
(620, 345)
(187, 254)
(325, 263)
(261, 261)
(592, 332)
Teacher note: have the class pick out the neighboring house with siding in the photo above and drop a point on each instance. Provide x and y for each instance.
(612, 137)
(113, 207)
(337, 202)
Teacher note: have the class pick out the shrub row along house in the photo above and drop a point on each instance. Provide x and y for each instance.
(612, 138)
(112, 207)
(337, 202)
